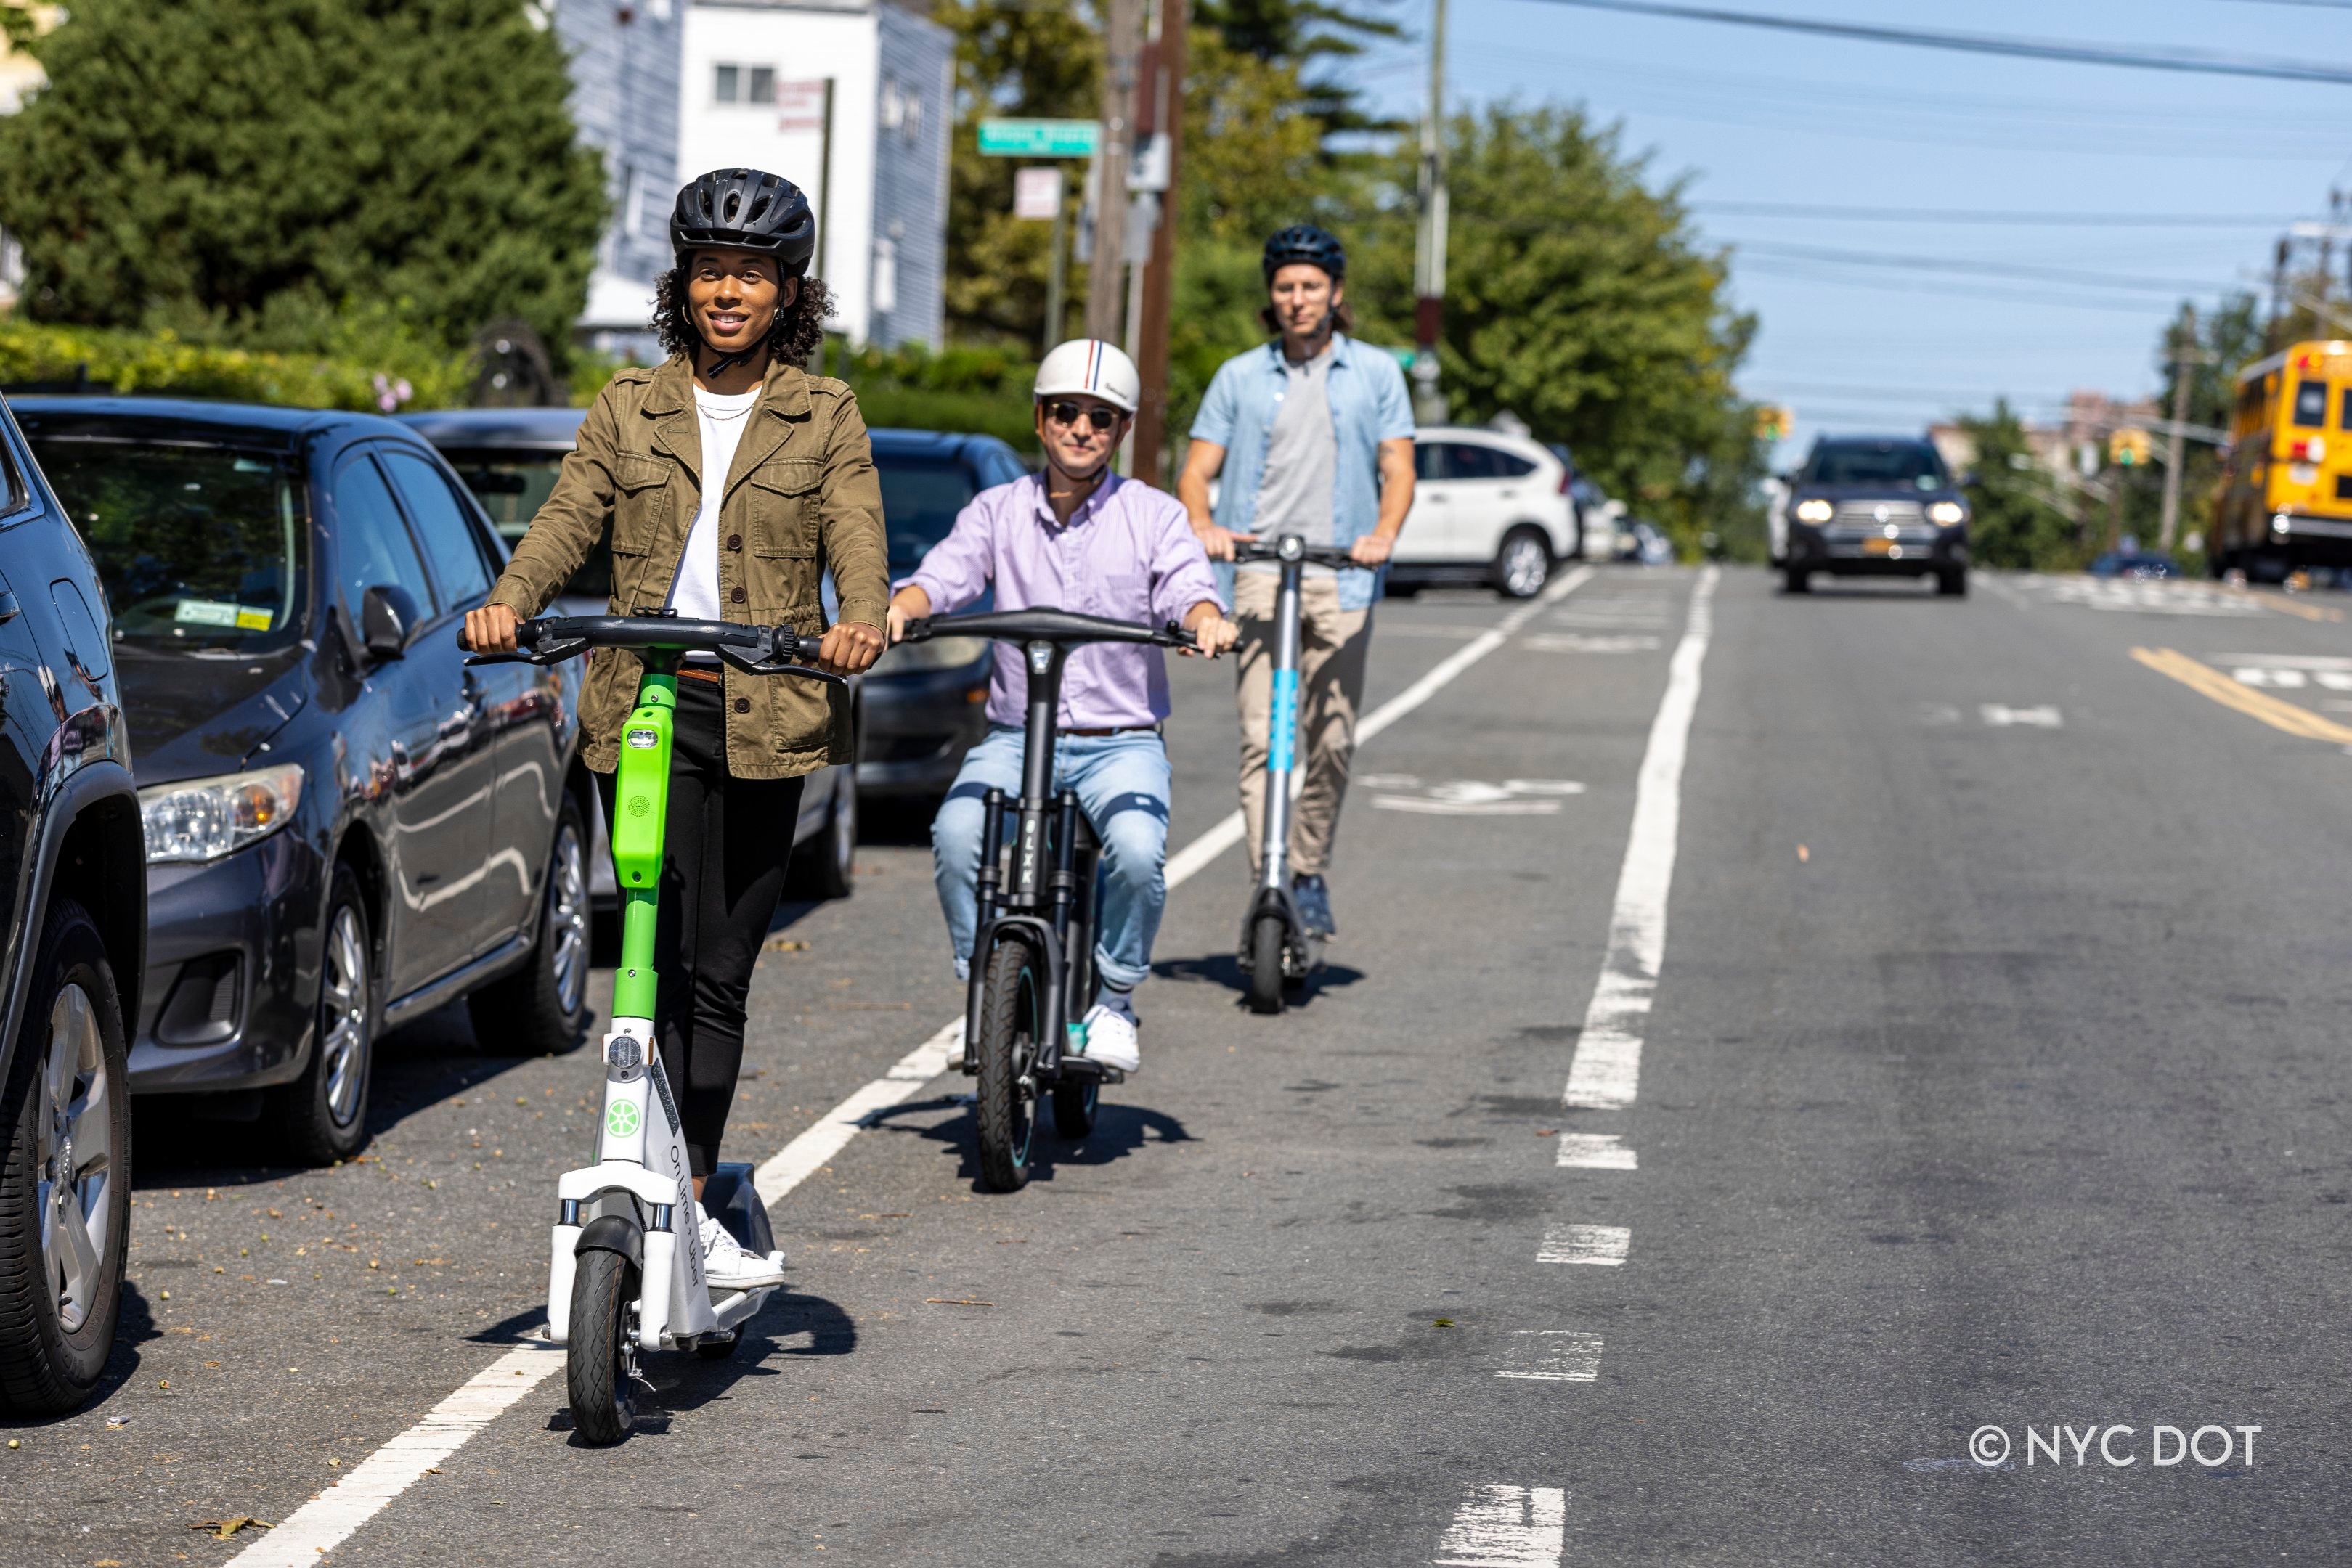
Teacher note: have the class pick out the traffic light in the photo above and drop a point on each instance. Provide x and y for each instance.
(2128, 448)
(1774, 421)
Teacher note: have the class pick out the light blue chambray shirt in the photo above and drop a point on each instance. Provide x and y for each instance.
(1369, 406)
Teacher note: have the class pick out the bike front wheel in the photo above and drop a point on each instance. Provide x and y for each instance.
(1266, 935)
(596, 1360)
(1012, 1021)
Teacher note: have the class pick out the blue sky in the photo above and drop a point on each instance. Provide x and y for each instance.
(1776, 120)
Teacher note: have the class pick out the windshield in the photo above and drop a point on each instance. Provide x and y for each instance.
(920, 498)
(1906, 465)
(512, 488)
(201, 548)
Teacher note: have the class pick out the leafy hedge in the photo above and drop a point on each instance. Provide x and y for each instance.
(983, 391)
(156, 363)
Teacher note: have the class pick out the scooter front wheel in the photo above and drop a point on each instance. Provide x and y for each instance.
(1011, 1021)
(1266, 935)
(597, 1361)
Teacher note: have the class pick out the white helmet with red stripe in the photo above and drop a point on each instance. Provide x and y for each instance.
(1094, 367)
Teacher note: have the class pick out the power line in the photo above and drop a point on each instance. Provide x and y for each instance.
(1989, 215)
(2024, 271)
(2201, 62)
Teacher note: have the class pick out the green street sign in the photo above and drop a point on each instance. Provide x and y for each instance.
(1039, 138)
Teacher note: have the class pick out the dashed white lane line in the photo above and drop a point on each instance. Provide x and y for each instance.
(1605, 1245)
(1505, 1527)
(1554, 1355)
(1607, 1068)
(1190, 859)
(1596, 1152)
(331, 1517)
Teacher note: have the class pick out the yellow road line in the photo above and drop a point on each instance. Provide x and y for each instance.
(2229, 693)
(2282, 604)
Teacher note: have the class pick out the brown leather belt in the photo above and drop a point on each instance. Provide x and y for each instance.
(712, 676)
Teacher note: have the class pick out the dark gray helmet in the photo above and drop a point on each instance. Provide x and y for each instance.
(1306, 243)
(744, 209)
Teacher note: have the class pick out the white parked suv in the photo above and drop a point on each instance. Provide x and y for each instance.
(1487, 508)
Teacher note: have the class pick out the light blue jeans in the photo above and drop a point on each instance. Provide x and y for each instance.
(1122, 785)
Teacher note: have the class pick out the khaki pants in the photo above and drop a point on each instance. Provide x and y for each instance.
(1332, 644)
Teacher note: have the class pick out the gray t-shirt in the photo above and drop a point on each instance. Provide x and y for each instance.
(1302, 461)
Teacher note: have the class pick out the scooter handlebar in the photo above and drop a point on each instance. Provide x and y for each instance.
(1046, 626)
(1290, 547)
(754, 649)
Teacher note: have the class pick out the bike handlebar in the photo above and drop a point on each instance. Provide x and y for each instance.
(1046, 625)
(1290, 547)
(754, 649)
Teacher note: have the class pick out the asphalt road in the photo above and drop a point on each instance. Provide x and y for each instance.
(1992, 1078)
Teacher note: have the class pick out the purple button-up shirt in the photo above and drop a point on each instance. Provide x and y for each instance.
(1129, 554)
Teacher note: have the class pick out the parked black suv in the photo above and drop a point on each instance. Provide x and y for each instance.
(72, 867)
(1877, 508)
(345, 826)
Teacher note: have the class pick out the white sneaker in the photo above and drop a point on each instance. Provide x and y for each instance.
(728, 1266)
(1110, 1039)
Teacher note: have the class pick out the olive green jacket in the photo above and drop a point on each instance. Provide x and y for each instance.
(802, 497)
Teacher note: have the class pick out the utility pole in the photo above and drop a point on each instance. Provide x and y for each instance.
(1166, 87)
(1429, 247)
(2184, 359)
(1106, 280)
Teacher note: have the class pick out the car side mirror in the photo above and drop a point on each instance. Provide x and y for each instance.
(387, 614)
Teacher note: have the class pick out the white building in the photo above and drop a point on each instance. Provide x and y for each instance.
(789, 86)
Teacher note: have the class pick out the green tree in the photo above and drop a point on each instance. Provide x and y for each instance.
(1311, 39)
(2225, 341)
(2015, 522)
(270, 168)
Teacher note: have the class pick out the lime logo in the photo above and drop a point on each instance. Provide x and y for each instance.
(641, 805)
(621, 1118)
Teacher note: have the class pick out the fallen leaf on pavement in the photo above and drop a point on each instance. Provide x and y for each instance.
(786, 944)
(222, 1529)
(951, 1302)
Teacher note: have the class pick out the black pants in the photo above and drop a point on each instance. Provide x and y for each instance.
(725, 846)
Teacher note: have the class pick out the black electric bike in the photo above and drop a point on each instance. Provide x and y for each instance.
(1276, 951)
(1033, 952)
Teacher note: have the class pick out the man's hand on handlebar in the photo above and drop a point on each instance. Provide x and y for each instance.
(850, 648)
(1210, 628)
(909, 603)
(1372, 548)
(489, 630)
(1219, 542)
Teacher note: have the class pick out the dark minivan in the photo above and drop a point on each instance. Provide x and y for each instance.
(1876, 507)
(345, 826)
(69, 975)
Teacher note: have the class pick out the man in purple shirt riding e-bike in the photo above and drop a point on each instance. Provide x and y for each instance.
(1077, 537)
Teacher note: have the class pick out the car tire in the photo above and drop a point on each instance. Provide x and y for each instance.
(1797, 579)
(542, 1009)
(1953, 582)
(321, 1116)
(60, 1284)
(825, 866)
(1523, 563)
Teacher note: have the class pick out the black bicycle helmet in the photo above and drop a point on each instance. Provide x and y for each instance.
(1305, 242)
(744, 209)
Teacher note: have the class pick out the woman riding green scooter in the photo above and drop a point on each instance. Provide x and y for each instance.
(730, 481)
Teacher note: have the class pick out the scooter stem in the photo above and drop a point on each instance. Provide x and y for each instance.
(641, 801)
(1281, 731)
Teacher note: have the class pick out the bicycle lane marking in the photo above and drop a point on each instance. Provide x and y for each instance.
(1606, 1070)
(327, 1520)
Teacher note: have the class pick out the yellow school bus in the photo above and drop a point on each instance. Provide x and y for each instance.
(2285, 496)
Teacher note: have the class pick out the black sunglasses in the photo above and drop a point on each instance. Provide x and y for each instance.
(1066, 412)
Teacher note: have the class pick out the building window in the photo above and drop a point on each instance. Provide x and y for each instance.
(763, 85)
(725, 83)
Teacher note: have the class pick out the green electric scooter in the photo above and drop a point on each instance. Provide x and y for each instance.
(624, 1272)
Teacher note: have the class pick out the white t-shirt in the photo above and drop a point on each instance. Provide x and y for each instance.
(694, 592)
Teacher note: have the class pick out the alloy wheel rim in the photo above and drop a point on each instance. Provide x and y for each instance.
(343, 1013)
(567, 904)
(74, 1158)
(1523, 567)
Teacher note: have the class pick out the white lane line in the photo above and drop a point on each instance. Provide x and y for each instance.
(1193, 857)
(1506, 1526)
(1554, 1355)
(328, 1519)
(1595, 1152)
(335, 1513)
(1605, 1245)
(1607, 1068)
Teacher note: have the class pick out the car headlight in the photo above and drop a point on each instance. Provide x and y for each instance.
(937, 653)
(1815, 511)
(204, 819)
(1944, 514)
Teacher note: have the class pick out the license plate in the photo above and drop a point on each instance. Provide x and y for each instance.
(1876, 545)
